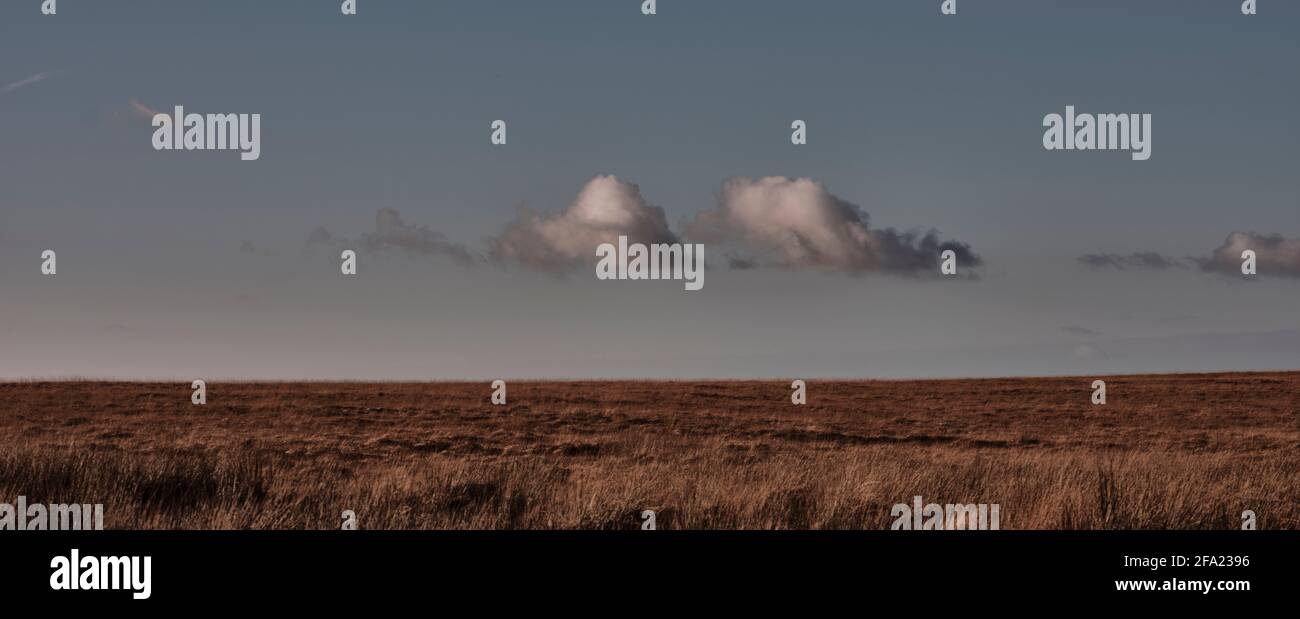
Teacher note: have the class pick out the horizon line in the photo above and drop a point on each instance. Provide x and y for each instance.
(271, 381)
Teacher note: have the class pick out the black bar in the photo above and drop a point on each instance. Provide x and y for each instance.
(529, 570)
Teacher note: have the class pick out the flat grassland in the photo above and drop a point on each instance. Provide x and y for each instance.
(1164, 452)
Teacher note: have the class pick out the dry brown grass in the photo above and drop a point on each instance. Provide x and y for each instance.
(1165, 452)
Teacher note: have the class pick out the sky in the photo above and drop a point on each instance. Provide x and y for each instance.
(473, 259)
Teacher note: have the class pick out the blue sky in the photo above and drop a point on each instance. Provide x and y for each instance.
(196, 264)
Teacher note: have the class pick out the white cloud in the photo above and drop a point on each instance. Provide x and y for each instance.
(605, 209)
(798, 223)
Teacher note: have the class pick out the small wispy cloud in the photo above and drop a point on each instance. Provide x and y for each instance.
(251, 248)
(1136, 260)
(393, 234)
(1275, 254)
(142, 111)
(25, 82)
(1077, 330)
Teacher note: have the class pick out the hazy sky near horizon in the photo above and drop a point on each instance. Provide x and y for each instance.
(197, 265)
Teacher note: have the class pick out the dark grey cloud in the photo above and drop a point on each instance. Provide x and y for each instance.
(797, 223)
(1136, 260)
(251, 248)
(740, 263)
(1274, 255)
(605, 209)
(393, 235)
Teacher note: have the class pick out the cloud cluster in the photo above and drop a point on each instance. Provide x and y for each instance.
(1136, 260)
(774, 221)
(392, 234)
(1274, 255)
(797, 223)
(765, 222)
(605, 209)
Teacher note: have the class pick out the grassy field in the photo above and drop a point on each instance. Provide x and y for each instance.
(1165, 452)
